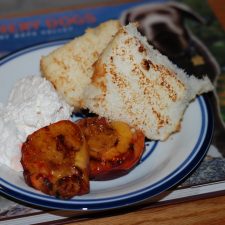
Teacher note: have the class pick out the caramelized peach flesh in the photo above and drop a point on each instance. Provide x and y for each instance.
(56, 161)
(114, 147)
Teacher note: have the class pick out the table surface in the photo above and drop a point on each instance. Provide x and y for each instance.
(205, 211)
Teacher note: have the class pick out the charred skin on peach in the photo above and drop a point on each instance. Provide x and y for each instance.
(114, 147)
(56, 161)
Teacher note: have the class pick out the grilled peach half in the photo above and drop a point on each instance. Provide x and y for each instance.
(56, 161)
(114, 147)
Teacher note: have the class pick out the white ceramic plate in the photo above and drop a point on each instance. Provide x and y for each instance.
(163, 165)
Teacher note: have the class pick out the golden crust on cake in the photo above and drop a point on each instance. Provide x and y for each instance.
(134, 83)
(69, 67)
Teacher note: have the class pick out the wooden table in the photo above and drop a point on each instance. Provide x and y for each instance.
(208, 211)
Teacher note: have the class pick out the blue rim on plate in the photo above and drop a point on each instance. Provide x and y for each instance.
(185, 168)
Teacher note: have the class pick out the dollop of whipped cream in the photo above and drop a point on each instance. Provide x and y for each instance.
(33, 103)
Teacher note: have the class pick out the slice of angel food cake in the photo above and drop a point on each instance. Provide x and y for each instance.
(134, 83)
(69, 67)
